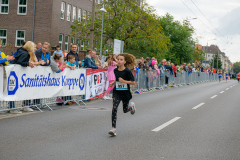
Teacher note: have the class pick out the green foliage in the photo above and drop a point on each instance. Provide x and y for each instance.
(236, 67)
(143, 32)
(198, 56)
(181, 46)
(215, 61)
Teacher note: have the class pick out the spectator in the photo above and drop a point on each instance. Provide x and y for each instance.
(150, 64)
(61, 64)
(88, 55)
(43, 54)
(55, 60)
(174, 67)
(89, 63)
(147, 59)
(3, 58)
(75, 54)
(23, 58)
(71, 62)
(110, 76)
(39, 45)
(59, 51)
(101, 59)
(97, 61)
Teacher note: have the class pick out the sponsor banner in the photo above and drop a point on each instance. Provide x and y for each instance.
(1, 83)
(96, 83)
(24, 83)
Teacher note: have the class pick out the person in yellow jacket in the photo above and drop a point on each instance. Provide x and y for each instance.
(3, 58)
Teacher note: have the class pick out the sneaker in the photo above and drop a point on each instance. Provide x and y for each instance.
(112, 132)
(27, 109)
(104, 97)
(133, 108)
(109, 97)
(15, 111)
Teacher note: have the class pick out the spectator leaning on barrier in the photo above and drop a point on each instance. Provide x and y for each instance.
(55, 63)
(89, 63)
(23, 58)
(59, 51)
(24, 54)
(97, 61)
(75, 54)
(71, 62)
(43, 54)
(3, 58)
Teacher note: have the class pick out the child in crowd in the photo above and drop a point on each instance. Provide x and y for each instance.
(58, 50)
(121, 91)
(61, 61)
(71, 62)
(110, 77)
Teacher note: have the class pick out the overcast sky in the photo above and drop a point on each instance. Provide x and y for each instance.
(222, 21)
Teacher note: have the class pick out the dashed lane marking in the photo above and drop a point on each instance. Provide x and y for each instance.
(166, 124)
(227, 89)
(196, 107)
(214, 96)
(222, 92)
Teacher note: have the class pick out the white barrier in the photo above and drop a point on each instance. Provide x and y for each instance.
(40, 82)
(1, 83)
(96, 83)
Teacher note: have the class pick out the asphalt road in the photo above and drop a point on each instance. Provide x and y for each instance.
(189, 123)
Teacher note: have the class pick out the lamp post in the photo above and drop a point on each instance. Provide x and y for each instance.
(103, 11)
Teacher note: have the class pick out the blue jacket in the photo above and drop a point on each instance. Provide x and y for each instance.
(89, 63)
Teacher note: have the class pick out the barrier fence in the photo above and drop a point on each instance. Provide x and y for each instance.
(93, 85)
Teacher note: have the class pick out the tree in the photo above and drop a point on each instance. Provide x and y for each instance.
(198, 55)
(181, 43)
(215, 61)
(236, 67)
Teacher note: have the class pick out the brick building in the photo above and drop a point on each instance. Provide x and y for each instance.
(42, 20)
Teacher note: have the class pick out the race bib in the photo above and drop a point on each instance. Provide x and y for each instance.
(121, 86)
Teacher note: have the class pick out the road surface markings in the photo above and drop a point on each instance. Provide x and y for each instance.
(213, 96)
(231, 86)
(166, 124)
(198, 106)
(227, 89)
(222, 92)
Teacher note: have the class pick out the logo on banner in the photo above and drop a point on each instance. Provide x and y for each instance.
(12, 83)
(98, 79)
(81, 81)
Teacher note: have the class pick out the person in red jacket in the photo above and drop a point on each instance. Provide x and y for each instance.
(238, 77)
(175, 69)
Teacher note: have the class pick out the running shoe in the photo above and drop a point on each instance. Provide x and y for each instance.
(133, 108)
(112, 132)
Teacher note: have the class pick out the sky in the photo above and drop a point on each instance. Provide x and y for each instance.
(217, 23)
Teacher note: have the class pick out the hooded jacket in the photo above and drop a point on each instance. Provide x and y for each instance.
(22, 58)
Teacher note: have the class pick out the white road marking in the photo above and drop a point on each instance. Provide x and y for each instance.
(231, 86)
(227, 89)
(213, 96)
(198, 106)
(166, 124)
(222, 92)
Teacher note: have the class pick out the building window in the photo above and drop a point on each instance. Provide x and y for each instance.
(89, 16)
(82, 46)
(62, 10)
(72, 40)
(78, 44)
(84, 15)
(208, 55)
(66, 43)
(22, 7)
(74, 14)
(68, 12)
(20, 37)
(4, 5)
(79, 15)
(60, 40)
(3, 36)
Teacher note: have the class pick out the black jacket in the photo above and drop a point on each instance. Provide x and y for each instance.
(74, 54)
(22, 57)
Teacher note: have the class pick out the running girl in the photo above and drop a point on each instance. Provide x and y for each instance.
(121, 91)
(219, 75)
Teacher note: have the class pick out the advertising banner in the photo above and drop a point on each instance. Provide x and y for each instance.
(1, 83)
(25, 83)
(96, 83)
